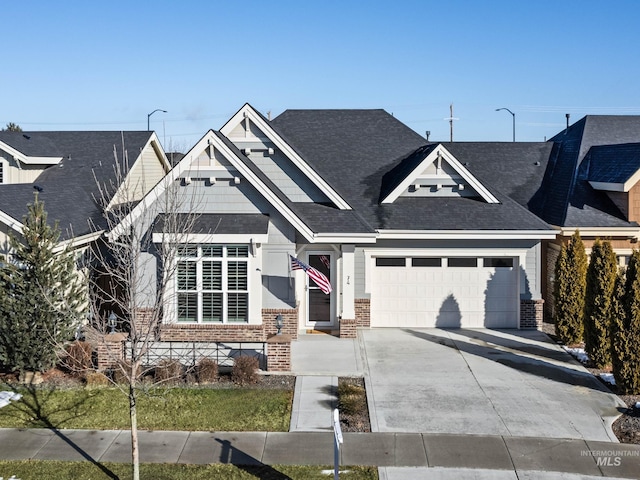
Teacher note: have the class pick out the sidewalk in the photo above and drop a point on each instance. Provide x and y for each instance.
(438, 456)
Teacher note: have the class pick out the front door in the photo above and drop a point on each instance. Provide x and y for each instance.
(320, 306)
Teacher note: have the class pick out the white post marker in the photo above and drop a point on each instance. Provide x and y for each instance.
(337, 441)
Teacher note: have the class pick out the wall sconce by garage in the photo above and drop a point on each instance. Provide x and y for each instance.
(279, 323)
(112, 322)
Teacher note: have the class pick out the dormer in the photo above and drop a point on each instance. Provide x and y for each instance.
(615, 170)
(22, 158)
(432, 171)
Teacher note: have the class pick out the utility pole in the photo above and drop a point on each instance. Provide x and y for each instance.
(451, 118)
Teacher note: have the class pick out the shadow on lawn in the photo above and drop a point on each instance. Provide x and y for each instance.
(492, 349)
(40, 411)
(234, 456)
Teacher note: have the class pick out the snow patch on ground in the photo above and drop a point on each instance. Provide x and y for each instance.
(578, 353)
(7, 397)
(608, 377)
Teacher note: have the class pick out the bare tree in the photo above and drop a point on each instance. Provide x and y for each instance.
(134, 267)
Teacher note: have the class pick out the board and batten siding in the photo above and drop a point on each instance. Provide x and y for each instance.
(283, 173)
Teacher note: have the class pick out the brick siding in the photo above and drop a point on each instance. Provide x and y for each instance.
(531, 312)
(363, 312)
(348, 328)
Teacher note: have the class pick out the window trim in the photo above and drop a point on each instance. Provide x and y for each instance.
(226, 292)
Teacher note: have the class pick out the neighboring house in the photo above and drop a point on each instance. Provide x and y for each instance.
(75, 174)
(590, 184)
(409, 233)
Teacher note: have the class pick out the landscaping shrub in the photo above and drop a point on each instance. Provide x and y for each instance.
(168, 371)
(78, 357)
(352, 399)
(96, 379)
(207, 371)
(625, 330)
(601, 279)
(119, 375)
(245, 370)
(569, 291)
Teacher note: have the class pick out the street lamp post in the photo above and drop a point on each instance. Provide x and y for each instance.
(149, 116)
(514, 120)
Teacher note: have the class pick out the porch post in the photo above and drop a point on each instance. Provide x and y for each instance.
(348, 282)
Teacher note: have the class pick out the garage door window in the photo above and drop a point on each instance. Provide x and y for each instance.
(462, 262)
(391, 262)
(499, 262)
(426, 262)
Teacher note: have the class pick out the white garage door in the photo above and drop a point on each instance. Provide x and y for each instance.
(444, 292)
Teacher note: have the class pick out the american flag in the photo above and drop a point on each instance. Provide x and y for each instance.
(319, 278)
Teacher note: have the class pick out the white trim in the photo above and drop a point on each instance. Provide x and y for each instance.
(78, 242)
(18, 155)
(11, 222)
(467, 234)
(618, 187)
(248, 112)
(609, 187)
(630, 232)
(202, 238)
(345, 238)
(440, 151)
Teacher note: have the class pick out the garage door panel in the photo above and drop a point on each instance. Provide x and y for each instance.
(444, 297)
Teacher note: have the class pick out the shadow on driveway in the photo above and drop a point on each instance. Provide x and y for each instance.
(515, 354)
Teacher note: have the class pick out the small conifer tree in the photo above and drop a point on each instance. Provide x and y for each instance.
(625, 329)
(601, 279)
(569, 291)
(41, 297)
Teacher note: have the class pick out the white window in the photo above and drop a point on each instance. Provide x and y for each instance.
(213, 283)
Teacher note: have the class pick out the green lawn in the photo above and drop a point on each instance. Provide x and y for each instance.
(32, 470)
(235, 409)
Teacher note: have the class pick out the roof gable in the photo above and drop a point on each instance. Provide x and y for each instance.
(249, 125)
(436, 169)
(214, 143)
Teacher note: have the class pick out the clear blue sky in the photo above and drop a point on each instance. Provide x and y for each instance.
(104, 65)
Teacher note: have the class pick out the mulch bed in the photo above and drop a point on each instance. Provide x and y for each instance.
(356, 421)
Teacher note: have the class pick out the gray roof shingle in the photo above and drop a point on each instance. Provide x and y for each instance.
(364, 153)
(569, 199)
(69, 190)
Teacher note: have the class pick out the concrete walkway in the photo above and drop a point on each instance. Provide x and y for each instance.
(404, 455)
(313, 401)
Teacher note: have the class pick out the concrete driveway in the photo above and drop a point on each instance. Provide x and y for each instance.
(486, 382)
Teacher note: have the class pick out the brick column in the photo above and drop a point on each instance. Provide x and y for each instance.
(109, 350)
(363, 312)
(279, 353)
(347, 328)
(531, 313)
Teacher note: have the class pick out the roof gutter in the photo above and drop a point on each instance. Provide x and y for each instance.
(467, 234)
